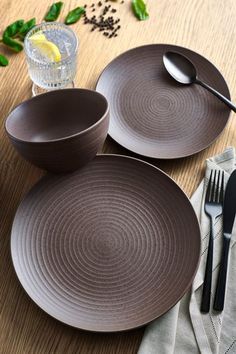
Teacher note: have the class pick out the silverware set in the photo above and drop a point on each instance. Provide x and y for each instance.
(216, 204)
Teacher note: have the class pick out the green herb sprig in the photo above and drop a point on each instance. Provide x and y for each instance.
(12, 43)
(10, 32)
(140, 9)
(13, 35)
(54, 12)
(15, 32)
(13, 28)
(74, 15)
(26, 27)
(3, 60)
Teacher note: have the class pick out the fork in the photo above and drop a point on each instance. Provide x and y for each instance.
(213, 208)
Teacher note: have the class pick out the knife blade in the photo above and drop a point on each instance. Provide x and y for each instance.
(229, 211)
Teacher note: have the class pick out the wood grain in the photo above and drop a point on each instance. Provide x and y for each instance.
(206, 26)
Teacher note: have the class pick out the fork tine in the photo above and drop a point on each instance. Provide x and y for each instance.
(213, 191)
(208, 191)
(217, 187)
(222, 189)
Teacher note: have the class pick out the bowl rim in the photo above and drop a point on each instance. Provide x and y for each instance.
(51, 93)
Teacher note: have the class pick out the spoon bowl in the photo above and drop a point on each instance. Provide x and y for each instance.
(180, 68)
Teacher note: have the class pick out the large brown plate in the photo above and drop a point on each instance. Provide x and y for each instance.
(154, 116)
(108, 248)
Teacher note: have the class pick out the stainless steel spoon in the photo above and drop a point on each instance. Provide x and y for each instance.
(183, 71)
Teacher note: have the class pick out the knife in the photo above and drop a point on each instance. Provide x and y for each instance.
(229, 210)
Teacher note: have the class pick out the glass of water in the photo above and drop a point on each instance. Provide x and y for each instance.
(51, 53)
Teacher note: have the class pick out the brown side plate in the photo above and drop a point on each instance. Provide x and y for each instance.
(153, 115)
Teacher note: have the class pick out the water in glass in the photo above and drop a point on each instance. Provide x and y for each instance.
(48, 74)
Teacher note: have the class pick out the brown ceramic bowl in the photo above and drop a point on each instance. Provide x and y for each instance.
(61, 130)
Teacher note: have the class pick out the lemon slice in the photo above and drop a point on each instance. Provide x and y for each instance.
(38, 36)
(46, 48)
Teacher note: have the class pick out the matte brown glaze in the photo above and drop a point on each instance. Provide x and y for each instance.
(153, 115)
(108, 248)
(61, 130)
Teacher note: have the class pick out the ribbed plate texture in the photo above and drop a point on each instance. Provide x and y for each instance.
(153, 115)
(107, 248)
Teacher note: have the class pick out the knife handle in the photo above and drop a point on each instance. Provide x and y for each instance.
(221, 282)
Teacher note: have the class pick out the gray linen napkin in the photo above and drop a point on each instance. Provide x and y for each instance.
(184, 329)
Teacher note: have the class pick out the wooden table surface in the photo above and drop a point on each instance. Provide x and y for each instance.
(206, 26)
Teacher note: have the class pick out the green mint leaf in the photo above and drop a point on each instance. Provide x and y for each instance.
(74, 15)
(54, 11)
(13, 28)
(27, 26)
(11, 43)
(3, 60)
(140, 10)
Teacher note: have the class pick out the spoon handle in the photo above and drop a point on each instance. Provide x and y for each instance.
(217, 94)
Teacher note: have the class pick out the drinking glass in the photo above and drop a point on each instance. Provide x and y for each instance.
(47, 74)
